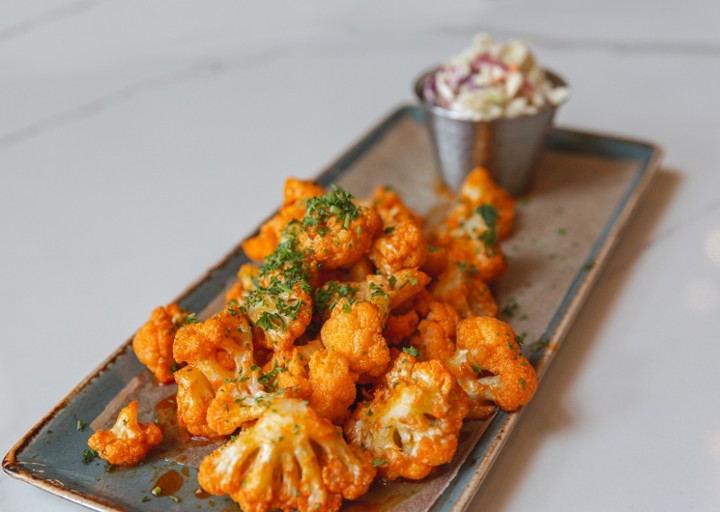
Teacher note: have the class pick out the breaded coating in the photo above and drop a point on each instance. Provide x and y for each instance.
(128, 441)
(221, 348)
(465, 291)
(354, 330)
(413, 422)
(337, 230)
(153, 342)
(333, 385)
(295, 196)
(490, 367)
(291, 459)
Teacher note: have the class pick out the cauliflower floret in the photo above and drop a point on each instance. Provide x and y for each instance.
(247, 281)
(400, 246)
(193, 398)
(221, 348)
(354, 330)
(153, 341)
(389, 292)
(128, 441)
(473, 244)
(338, 231)
(296, 194)
(478, 189)
(402, 243)
(289, 370)
(311, 372)
(290, 459)
(391, 208)
(281, 311)
(413, 422)
(465, 291)
(400, 326)
(435, 337)
(333, 385)
(489, 366)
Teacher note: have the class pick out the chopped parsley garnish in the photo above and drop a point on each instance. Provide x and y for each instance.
(327, 297)
(80, 426)
(540, 344)
(510, 308)
(412, 351)
(337, 203)
(191, 318)
(489, 215)
(157, 491)
(378, 462)
(88, 456)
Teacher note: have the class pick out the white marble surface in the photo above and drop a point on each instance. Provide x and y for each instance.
(139, 140)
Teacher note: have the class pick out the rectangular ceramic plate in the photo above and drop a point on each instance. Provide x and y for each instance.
(584, 190)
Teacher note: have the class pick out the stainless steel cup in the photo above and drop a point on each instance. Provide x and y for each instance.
(508, 147)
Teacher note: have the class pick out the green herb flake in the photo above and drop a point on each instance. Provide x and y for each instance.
(378, 462)
(489, 215)
(510, 309)
(157, 491)
(80, 426)
(412, 351)
(540, 344)
(88, 456)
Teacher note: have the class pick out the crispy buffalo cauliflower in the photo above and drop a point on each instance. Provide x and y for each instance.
(318, 375)
(333, 385)
(278, 300)
(291, 459)
(354, 330)
(401, 246)
(489, 366)
(337, 230)
(128, 441)
(402, 243)
(296, 194)
(435, 336)
(221, 348)
(413, 422)
(194, 396)
(478, 189)
(280, 311)
(472, 243)
(465, 291)
(288, 370)
(153, 341)
(400, 326)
